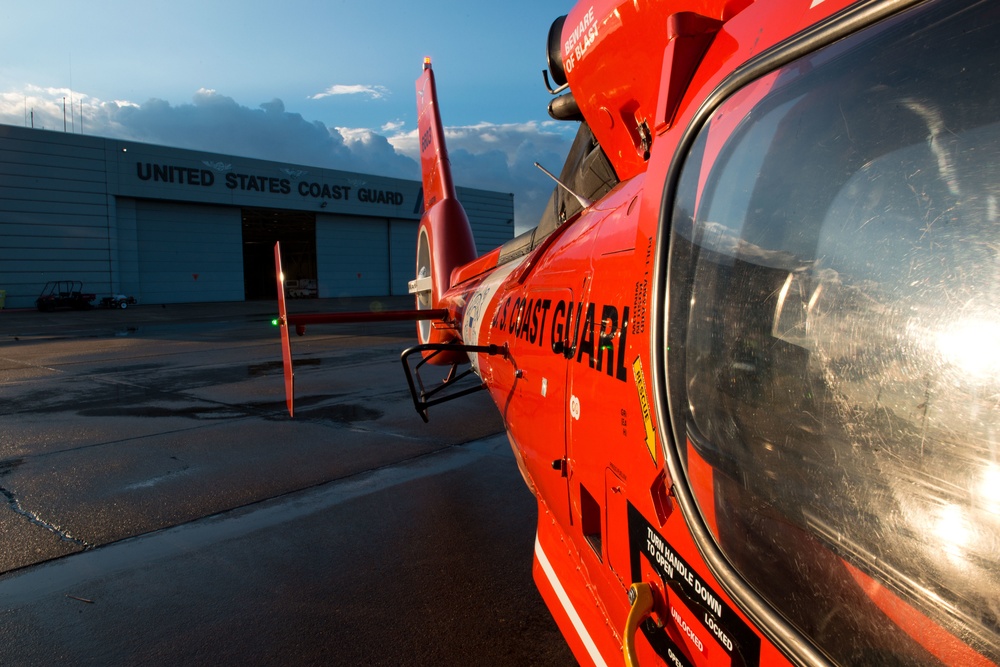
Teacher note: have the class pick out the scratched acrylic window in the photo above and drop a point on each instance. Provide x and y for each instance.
(834, 338)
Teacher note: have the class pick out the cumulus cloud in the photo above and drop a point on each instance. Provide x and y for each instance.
(45, 108)
(372, 92)
(501, 157)
(490, 156)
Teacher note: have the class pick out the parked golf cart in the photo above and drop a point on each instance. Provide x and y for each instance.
(64, 294)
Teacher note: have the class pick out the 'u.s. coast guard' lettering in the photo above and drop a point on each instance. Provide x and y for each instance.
(573, 329)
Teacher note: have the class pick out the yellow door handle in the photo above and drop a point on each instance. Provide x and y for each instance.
(641, 597)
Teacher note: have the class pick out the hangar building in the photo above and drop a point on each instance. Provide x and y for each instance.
(177, 226)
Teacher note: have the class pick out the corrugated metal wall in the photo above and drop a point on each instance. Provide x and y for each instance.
(491, 215)
(53, 214)
(164, 224)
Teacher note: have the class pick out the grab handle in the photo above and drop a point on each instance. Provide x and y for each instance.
(640, 595)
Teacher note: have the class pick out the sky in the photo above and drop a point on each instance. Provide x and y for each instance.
(327, 83)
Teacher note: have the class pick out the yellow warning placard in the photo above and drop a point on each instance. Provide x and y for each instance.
(647, 417)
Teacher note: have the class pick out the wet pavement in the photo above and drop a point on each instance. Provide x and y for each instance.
(157, 504)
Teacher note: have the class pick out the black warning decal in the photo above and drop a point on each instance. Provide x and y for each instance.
(721, 621)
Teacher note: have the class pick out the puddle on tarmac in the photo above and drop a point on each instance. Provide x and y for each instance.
(268, 367)
(345, 413)
(158, 412)
(10, 465)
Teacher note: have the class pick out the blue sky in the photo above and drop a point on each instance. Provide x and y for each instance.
(325, 82)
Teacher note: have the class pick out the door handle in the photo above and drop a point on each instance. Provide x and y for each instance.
(640, 595)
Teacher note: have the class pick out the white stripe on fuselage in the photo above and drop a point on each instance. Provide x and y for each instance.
(564, 600)
(479, 306)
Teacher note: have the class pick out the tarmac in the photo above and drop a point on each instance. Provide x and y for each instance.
(158, 505)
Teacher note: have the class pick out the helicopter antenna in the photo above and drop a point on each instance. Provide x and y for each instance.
(586, 203)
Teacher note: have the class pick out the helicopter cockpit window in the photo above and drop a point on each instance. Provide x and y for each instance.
(833, 346)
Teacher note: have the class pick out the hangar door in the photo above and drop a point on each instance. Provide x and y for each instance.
(403, 249)
(188, 253)
(359, 256)
(297, 232)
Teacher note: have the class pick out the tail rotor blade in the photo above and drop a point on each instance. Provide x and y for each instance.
(286, 345)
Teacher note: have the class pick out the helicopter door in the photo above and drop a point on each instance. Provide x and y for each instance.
(537, 324)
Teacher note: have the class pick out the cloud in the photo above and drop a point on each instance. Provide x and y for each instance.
(372, 92)
(44, 108)
(501, 157)
(491, 156)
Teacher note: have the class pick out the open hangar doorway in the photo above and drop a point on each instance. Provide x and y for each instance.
(296, 230)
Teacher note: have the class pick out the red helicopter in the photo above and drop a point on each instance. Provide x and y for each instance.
(748, 359)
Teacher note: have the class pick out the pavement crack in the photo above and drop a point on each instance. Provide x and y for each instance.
(33, 518)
